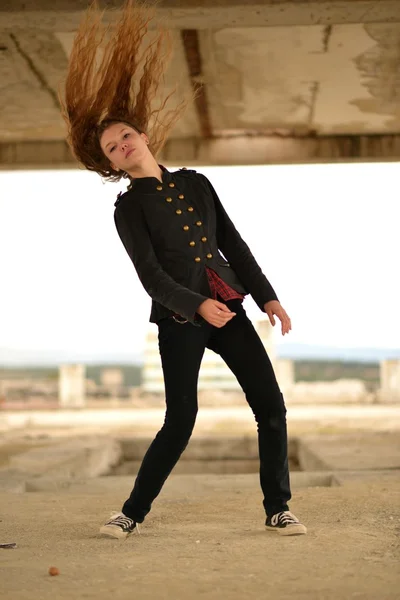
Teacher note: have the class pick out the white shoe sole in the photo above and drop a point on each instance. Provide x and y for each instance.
(289, 530)
(114, 532)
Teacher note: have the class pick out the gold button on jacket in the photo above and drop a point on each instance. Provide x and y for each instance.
(159, 188)
(192, 243)
(197, 259)
(178, 211)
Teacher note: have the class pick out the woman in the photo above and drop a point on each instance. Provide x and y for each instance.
(188, 255)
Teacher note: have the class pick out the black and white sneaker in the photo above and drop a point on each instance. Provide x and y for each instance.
(286, 523)
(119, 526)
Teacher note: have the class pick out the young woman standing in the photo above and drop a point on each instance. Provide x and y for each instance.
(187, 253)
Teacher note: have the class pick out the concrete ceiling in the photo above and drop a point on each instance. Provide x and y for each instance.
(281, 81)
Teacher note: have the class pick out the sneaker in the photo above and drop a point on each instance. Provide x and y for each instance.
(286, 523)
(119, 526)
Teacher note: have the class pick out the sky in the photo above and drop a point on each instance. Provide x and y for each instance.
(326, 236)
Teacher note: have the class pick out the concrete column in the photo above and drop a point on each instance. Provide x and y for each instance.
(71, 386)
(113, 380)
(284, 371)
(390, 381)
(152, 375)
(2, 393)
(266, 333)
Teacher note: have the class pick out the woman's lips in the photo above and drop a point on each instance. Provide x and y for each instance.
(129, 152)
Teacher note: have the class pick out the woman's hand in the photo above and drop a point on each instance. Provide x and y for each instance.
(215, 312)
(273, 307)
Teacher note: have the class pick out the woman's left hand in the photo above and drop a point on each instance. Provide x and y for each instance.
(273, 307)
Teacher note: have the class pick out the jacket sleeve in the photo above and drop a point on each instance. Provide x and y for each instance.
(237, 252)
(160, 286)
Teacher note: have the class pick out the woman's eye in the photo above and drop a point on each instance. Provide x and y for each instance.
(124, 136)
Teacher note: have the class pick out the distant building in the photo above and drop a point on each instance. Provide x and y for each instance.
(389, 380)
(112, 378)
(284, 371)
(72, 386)
(214, 374)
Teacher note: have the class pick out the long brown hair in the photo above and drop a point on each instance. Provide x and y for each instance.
(95, 99)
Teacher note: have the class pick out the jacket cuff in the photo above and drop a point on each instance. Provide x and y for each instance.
(267, 298)
(190, 309)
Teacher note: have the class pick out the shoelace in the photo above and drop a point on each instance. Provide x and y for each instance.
(123, 520)
(284, 517)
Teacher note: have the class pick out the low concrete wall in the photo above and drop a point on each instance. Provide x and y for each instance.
(88, 458)
(206, 454)
(375, 450)
(205, 448)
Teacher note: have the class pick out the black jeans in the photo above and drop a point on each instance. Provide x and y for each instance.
(181, 348)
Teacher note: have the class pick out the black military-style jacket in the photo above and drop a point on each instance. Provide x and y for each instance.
(171, 231)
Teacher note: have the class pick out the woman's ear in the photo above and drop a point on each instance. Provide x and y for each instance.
(146, 139)
(114, 167)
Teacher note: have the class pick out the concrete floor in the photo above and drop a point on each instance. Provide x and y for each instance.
(203, 539)
(205, 536)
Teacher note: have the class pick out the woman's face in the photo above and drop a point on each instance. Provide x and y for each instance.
(124, 146)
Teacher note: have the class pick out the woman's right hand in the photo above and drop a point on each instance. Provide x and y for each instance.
(214, 312)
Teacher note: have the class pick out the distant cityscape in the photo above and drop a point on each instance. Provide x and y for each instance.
(10, 357)
(39, 380)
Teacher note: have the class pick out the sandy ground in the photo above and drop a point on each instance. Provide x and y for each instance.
(204, 538)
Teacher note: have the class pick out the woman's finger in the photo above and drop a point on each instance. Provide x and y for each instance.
(221, 320)
(287, 325)
(283, 321)
(222, 307)
(282, 315)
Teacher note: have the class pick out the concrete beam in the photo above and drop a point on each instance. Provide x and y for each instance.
(239, 150)
(65, 15)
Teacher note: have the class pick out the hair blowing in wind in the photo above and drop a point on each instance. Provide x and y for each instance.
(126, 86)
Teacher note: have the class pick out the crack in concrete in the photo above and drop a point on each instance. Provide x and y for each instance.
(315, 86)
(365, 13)
(191, 45)
(326, 37)
(35, 71)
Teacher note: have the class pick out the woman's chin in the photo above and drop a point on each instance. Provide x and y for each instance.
(132, 163)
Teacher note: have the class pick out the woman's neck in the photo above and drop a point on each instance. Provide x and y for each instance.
(148, 168)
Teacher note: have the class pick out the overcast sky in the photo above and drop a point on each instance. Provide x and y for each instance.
(326, 236)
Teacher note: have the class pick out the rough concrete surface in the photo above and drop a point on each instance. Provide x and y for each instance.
(330, 91)
(204, 538)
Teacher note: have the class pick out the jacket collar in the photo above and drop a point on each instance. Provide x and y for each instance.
(146, 185)
(149, 184)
